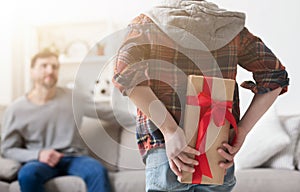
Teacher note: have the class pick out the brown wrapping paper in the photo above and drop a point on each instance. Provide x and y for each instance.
(221, 90)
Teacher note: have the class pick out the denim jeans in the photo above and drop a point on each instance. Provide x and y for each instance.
(159, 176)
(34, 174)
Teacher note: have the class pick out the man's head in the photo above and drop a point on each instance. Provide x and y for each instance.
(44, 69)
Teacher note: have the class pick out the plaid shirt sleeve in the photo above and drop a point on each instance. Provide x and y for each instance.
(131, 67)
(268, 72)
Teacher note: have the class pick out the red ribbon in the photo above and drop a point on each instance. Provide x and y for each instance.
(219, 111)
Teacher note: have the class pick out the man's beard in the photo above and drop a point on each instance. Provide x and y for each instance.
(49, 84)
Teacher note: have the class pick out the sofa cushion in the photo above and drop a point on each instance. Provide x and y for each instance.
(66, 184)
(265, 139)
(129, 155)
(297, 154)
(59, 184)
(133, 181)
(4, 186)
(267, 180)
(285, 159)
(102, 139)
(123, 108)
(8, 169)
(297, 149)
(125, 113)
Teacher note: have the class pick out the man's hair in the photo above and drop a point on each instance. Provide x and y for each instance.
(42, 54)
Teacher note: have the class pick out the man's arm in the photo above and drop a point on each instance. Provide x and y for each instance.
(10, 149)
(176, 146)
(259, 105)
(12, 144)
(12, 141)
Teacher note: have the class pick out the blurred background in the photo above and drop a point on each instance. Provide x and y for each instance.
(75, 28)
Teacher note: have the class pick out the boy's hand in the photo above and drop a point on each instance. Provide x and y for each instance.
(178, 152)
(231, 150)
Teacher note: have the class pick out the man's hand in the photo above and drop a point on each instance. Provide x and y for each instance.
(50, 157)
(231, 150)
(178, 152)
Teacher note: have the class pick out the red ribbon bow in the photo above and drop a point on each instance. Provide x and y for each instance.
(219, 111)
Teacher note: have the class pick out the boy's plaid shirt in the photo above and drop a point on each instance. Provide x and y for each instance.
(149, 57)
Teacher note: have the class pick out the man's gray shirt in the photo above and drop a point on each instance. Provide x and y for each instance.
(29, 128)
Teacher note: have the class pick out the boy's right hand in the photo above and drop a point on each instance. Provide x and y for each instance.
(178, 152)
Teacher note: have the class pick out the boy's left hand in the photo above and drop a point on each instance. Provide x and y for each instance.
(229, 151)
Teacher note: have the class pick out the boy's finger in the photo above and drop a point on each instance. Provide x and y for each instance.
(191, 150)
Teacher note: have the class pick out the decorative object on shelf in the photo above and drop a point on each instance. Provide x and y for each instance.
(70, 85)
(77, 49)
(74, 40)
(101, 90)
(100, 49)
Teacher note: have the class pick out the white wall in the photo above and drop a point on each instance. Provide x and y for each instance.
(19, 17)
(5, 56)
(274, 21)
(6, 74)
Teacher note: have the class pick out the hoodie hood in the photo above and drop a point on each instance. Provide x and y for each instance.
(197, 22)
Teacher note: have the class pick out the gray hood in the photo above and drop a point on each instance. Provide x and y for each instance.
(194, 22)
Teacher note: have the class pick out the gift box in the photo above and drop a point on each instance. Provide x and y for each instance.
(207, 122)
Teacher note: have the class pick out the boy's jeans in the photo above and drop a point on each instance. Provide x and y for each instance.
(159, 176)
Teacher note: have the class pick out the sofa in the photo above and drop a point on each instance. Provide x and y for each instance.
(113, 145)
(269, 159)
(109, 134)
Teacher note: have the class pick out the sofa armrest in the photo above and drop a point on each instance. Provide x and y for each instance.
(8, 169)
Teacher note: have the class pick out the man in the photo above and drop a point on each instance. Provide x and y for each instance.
(40, 132)
(163, 46)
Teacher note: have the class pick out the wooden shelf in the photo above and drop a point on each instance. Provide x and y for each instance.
(76, 60)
